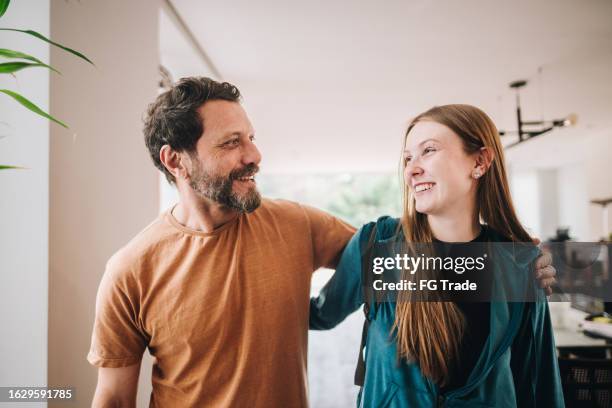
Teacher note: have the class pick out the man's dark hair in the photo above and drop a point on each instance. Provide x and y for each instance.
(173, 118)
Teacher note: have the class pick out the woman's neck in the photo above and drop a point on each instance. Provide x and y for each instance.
(454, 228)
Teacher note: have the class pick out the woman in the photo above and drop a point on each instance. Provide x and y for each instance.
(449, 352)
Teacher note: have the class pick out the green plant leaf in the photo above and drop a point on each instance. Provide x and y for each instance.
(5, 167)
(4, 52)
(3, 6)
(20, 55)
(42, 37)
(31, 106)
(14, 66)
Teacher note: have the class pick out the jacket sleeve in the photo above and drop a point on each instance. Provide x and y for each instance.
(534, 364)
(342, 294)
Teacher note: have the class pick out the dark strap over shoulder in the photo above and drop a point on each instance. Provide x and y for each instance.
(368, 239)
(360, 368)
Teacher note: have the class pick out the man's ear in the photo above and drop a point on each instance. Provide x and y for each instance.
(484, 158)
(173, 161)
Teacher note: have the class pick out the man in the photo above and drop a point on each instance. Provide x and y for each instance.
(217, 288)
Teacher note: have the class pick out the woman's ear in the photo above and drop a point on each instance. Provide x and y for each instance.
(173, 162)
(484, 158)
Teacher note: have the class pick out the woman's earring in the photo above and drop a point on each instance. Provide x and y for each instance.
(477, 174)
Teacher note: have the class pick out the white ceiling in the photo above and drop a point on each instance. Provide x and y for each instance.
(329, 86)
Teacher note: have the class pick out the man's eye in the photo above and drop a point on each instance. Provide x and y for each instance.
(252, 138)
(232, 143)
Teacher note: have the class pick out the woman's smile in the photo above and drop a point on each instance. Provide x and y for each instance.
(421, 188)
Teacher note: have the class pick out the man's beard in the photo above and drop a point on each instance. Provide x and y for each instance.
(219, 189)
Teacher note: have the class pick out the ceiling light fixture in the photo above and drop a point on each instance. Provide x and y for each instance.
(532, 128)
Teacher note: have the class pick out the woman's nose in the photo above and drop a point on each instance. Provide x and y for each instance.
(411, 171)
(416, 171)
(413, 168)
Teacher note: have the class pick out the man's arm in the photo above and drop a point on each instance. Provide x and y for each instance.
(329, 236)
(118, 339)
(117, 387)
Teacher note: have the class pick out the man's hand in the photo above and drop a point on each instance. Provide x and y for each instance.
(117, 387)
(545, 272)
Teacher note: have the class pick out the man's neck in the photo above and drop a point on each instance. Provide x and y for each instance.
(201, 214)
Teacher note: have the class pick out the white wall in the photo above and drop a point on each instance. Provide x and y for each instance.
(24, 212)
(573, 200)
(524, 188)
(548, 202)
(598, 178)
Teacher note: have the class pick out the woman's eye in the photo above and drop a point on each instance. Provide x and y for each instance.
(407, 159)
(428, 150)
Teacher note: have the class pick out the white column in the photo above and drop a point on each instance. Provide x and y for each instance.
(103, 185)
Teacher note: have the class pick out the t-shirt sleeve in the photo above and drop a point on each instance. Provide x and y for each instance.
(329, 237)
(118, 340)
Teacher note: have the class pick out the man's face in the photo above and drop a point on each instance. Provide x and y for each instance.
(225, 161)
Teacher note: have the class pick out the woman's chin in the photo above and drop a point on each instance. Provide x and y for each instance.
(423, 209)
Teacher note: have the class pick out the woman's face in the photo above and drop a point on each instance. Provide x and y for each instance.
(438, 170)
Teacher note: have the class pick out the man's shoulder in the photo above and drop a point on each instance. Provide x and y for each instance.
(280, 205)
(140, 248)
(280, 208)
(292, 212)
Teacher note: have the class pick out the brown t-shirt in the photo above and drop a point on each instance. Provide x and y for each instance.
(225, 313)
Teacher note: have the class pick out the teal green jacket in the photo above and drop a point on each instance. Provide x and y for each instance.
(518, 364)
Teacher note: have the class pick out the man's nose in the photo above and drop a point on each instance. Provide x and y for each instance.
(251, 153)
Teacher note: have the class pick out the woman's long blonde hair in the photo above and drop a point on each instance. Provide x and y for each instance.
(430, 333)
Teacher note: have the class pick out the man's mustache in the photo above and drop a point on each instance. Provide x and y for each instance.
(248, 170)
